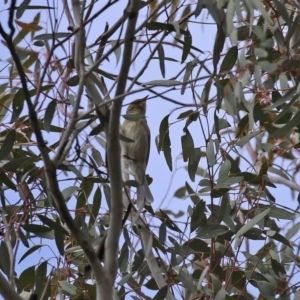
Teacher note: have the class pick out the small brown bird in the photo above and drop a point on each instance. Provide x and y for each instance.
(137, 151)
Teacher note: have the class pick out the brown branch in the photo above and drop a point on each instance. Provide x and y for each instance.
(114, 150)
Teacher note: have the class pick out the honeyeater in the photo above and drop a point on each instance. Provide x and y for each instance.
(137, 150)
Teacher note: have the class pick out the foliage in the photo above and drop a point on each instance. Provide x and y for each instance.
(235, 237)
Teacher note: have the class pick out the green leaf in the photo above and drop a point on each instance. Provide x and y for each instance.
(19, 97)
(278, 237)
(185, 114)
(162, 233)
(191, 194)
(245, 139)
(98, 129)
(169, 223)
(40, 278)
(59, 241)
(223, 174)
(162, 82)
(229, 60)
(199, 8)
(23, 238)
(52, 128)
(50, 36)
(97, 157)
(191, 46)
(23, 6)
(283, 12)
(281, 173)
(39, 44)
(222, 124)
(117, 50)
(188, 71)
(167, 59)
(218, 46)
(230, 16)
(216, 283)
(238, 279)
(52, 224)
(216, 12)
(278, 100)
(197, 245)
(28, 252)
(280, 213)
(161, 294)
(68, 287)
(252, 222)
(278, 268)
(34, 228)
(293, 230)
(243, 33)
(96, 206)
(288, 126)
(221, 294)
(187, 145)
(73, 81)
(193, 163)
(86, 188)
(123, 258)
(211, 153)
(198, 217)
(69, 192)
(5, 259)
(164, 142)
(19, 163)
(161, 56)
(211, 231)
(26, 279)
(66, 166)
(187, 282)
(7, 144)
(49, 114)
(180, 193)
(193, 117)
(186, 46)
(18, 104)
(163, 26)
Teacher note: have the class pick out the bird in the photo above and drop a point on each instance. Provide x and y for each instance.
(137, 149)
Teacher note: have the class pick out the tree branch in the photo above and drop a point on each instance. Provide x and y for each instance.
(6, 290)
(114, 150)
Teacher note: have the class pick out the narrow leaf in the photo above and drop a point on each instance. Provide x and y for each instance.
(223, 174)
(50, 36)
(161, 56)
(218, 47)
(229, 60)
(68, 287)
(211, 153)
(7, 144)
(23, 6)
(49, 114)
(186, 47)
(288, 126)
(253, 222)
(28, 252)
(161, 294)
